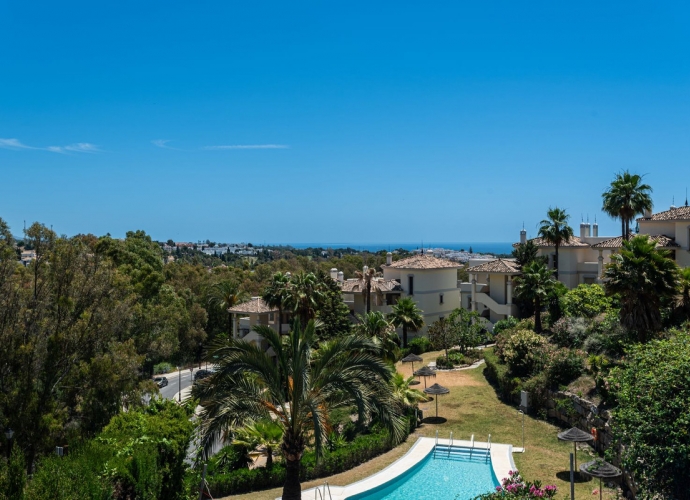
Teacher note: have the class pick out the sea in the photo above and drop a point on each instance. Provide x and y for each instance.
(477, 247)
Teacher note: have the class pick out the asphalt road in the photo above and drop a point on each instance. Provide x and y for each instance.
(176, 383)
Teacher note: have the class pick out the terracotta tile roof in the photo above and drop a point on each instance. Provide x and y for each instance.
(423, 261)
(256, 305)
(572, 242)
(662, 241)
(679, 213)
(496, 266)
(377, 285)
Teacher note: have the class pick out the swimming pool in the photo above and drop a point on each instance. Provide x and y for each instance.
(461, 476)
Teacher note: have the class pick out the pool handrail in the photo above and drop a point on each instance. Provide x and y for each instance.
(450, 446)
(436, 443)
(471, 445)
(325, 486)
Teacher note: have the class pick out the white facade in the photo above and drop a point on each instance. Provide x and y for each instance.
(673, 223)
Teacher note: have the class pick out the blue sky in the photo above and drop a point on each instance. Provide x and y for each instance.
(362, 122)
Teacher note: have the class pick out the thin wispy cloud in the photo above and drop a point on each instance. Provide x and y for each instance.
(246, 146)
(163, 143)
(78, 147)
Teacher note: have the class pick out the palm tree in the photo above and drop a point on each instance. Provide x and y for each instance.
(403, 393)
(304, 296)
(555, 230)
(645, 279)
(534, 286)
(367, 275)
(626, 198)
(275, 295)
(226, 294)
(264, 435)
(405, 314)
(525, 253)
(375, 326)
(684, 295)
(299, 388)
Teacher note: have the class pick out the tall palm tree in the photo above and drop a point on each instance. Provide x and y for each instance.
(555, 230)
(299, 388)
(367, 275)
(275, 295)
(627, 198)
(375, 326)
(304, 296)
(645, 279)
(263, 435)
(684, 292)
(533, 286)
(226, 294)
(405, 314)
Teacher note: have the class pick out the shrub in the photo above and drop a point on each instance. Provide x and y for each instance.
(162, 368)
(515, 486)
(419, 345)
(563, 365)
(442, 362)
(653, 397)
(456, 358)
(521, 351)
(585, 301)
(505, 324)
(570, 332)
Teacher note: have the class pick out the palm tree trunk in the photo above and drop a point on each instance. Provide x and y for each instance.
(292, 447)
(556, 263)
(229, 325)
(368, 297)
(404, 336)
(280, 320)
(537, 315)
(623, 228)
(292, 489)
(269, 457)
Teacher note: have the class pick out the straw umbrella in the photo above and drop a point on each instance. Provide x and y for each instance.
(412, 358)
(602, 470)
(425, 372)
(436, 390)
(576, 436)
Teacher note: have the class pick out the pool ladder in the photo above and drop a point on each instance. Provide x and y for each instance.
(450, 445)
(322, 496)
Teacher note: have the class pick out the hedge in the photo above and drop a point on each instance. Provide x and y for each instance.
(498, 374)
(362, 448)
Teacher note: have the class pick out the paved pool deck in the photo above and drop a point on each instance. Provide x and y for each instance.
(501, 461)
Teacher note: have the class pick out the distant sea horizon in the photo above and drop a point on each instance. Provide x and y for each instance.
(477, 247)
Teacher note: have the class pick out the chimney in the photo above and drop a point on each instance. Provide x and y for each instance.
(334, 273)
(389, 259)
(584, 230)
(523, 236)
(341, 276)
(595, 229)
(647, 213)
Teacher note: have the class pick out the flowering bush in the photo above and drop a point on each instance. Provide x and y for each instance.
(514, 486)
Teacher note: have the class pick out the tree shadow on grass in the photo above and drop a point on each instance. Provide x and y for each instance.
(434, 420)
(564, 475)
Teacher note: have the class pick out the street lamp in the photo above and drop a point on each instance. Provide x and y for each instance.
(9, 434)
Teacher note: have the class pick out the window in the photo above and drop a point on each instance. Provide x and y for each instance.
(440, 298)
(410, 285)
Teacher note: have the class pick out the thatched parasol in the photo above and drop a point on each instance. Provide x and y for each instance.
(412, 358)
(602, 470)
(576, 436)
(425, 372)
(436, 390)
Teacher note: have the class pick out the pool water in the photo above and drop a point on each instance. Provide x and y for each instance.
(440, 478)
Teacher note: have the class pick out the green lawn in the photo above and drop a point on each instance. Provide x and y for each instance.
(472, 407)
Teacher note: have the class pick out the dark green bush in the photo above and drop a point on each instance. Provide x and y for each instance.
(162, 368)
(442, 362)
(419, 345)
(498, 374)
(564, 365)
(505, 324)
